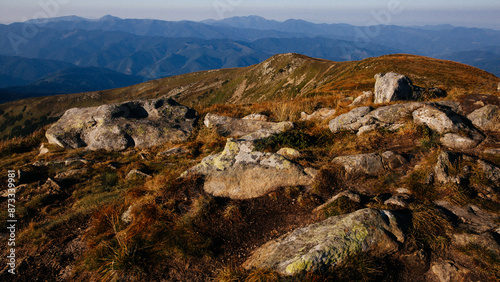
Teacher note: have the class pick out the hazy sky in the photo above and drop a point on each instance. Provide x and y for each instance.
(479, 13)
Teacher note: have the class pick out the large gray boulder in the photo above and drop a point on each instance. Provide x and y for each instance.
(142, 123)
(236, 127)
(238, 172)
(486, 118)
(324, 244)
(392, 87)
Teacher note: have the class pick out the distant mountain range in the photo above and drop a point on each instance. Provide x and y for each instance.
(114, 52)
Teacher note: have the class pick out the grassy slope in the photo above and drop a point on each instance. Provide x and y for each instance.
(183, 234)
(280, 77)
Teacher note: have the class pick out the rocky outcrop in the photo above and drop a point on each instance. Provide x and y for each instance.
(486, 118)
(238, 172)
(458, 132)
(392, 87)
(370, 164)
(324, 244)
(253, 129)
(120, 126)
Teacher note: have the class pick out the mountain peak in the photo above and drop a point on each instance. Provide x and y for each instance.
(109, 17)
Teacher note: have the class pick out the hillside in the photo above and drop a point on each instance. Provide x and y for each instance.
(71, 80)
(285, 77)
(156, 49)
(294, 169)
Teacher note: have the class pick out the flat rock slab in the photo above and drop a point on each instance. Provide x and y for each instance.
(236, 127)
(117, 127)
(370, 164)
(324, 244)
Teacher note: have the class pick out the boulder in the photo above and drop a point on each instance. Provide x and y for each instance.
(322, 245)
(120, 126)
(392, 87)
(395, 114)
(349, 121)
(238, 172)
(486, 118)
(236, 127)
(370, 164)
(366, 97)
(318, 115)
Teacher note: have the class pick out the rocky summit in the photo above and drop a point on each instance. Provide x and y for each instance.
(138, 124)
(266, 173)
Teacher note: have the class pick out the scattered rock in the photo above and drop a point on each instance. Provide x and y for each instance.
(5, 193)
(370, 164)
(486, 118)
(43, 150)
(127, 217)
(137, 174)
(258, 117)
(139, 124)
(353, 196)
(366, 97)
(392, 160)
(238, 172)
(70, 174)
(318, 115)
(289, 153)
(469, 217)
(446, 161)
(400, 200)
(491, 172)
(324, 244)
(392, 87)
(50, 187)
(252, 129)
(448, 271)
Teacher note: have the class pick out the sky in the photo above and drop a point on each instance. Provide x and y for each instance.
(478, 13)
